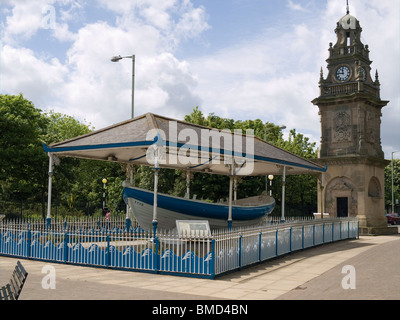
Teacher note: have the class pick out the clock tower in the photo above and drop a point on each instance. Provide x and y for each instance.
(350, 110)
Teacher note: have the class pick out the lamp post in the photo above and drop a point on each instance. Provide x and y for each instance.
(270, 177)
(393, 181)
(116, 59)
(104, 192)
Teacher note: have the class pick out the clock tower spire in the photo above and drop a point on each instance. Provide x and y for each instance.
(350, 109)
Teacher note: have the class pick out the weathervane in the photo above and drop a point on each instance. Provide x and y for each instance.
(348, 9)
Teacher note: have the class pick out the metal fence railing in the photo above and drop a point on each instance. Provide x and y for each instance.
(242, 247)
(112, 245)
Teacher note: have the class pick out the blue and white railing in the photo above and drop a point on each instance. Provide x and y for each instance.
(112, 246)
(241, 248)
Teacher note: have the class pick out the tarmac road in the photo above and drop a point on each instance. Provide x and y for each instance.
(314, 273)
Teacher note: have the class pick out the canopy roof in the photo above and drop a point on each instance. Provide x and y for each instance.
(183, 146)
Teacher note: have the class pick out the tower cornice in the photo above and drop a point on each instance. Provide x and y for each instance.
(348, 98)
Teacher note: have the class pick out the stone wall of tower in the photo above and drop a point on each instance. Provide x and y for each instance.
(361, 181)
(350, 128)
(350, 110)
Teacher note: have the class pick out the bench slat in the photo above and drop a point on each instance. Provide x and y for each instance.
(12, 290)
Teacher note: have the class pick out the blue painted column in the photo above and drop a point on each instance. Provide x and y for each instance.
(155, 222)
(283, 194)
(66, 247)
(212, 267)
(48, 218)
(128, 221)
(230, 198)
(29, 243)
(240, 251)
(230, 202)
(108, 254)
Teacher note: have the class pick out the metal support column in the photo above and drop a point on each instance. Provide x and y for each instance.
(283, 194)
(49, 189)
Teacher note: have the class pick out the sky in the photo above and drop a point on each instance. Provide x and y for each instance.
(240, 59)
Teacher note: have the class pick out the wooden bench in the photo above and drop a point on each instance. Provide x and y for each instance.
(12, 290)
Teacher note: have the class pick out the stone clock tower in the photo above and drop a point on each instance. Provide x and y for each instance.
(350, 110)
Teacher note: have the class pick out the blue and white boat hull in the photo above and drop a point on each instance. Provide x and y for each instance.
(171, 208)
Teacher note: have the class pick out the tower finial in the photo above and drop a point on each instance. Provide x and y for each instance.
(348, 8)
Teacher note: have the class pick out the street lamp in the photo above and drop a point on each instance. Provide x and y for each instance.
(116, 59)
(104, 192)
(270, 177)
(393, 182)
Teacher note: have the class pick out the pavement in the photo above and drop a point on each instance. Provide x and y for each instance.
(312, 274)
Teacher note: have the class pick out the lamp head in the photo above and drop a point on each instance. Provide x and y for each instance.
(116, 58)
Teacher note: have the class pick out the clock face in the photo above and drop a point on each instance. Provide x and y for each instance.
(343, 73)
(364, 74)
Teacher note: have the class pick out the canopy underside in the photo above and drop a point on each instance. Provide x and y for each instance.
(183, 146)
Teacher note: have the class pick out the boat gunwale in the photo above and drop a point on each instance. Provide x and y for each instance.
(203, 201)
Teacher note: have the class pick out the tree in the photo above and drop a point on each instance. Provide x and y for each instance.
(24, 163)
(21, 157)
(396, 184)
(77, 182)
(62, 127)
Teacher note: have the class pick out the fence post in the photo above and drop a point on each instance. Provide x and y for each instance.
(28, 251)
(240, 251)
(313, 236)
(348, 229)
(156, 255)
(66, 247)
(108, 251)
(358, 229)
(212, 267)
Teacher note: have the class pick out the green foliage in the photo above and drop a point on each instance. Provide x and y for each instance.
(62, 127)
(396, 183)
(77, 186)
(21, 157)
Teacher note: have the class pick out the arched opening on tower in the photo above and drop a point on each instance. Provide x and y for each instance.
(374, 188)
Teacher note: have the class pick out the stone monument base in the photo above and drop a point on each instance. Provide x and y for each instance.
(378, 231)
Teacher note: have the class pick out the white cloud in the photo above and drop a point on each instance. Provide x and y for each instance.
(272, 75)
(25, 20)
(295, 6)
(89, 86)
(23, 72)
